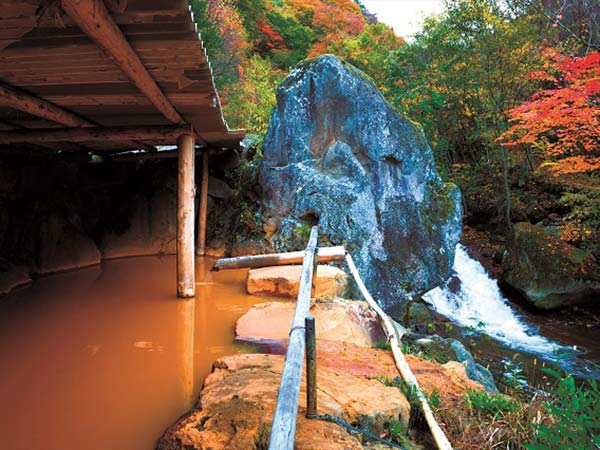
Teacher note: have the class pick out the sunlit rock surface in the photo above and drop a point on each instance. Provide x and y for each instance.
(337, 320)
(336, 153)
(284, 281)
(237, 403)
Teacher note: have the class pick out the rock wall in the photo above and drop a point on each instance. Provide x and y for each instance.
(337, 154)
(62, 212)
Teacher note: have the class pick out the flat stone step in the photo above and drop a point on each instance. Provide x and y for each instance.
(284, 281)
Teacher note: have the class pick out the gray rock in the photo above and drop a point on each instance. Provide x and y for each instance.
(336, 153)
(475, 371)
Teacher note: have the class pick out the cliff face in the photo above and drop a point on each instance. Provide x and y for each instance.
(336, 153)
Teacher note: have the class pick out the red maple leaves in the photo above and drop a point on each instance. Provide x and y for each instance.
(564, 119)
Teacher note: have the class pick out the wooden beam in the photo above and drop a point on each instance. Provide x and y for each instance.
(283, 429)
(326, 254)
(186, 286)
(203, 206)
(141, 156)
(22, 101)
(95, 20)
(166, 134)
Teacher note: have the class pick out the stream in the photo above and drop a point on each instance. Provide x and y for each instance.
(512, 340)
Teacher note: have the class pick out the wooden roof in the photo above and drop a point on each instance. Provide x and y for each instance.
(45, 54)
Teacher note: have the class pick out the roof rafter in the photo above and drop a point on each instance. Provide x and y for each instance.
(164, 134)
(95, 20)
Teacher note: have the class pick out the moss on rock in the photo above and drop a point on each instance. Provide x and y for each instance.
(547, 271)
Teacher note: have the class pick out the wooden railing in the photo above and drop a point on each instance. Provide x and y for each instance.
(283, 429)
(302, 336)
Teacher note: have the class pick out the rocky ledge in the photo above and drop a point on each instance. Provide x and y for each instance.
(356, 383)
(547, 271)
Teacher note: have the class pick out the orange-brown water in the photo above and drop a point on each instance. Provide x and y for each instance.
(107, 358)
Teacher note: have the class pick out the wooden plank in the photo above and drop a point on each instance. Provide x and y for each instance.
(185, 217)
(93, 18)
(283, 428)
(202, 213)
(17, 99)
(168, 134)
(326, 254)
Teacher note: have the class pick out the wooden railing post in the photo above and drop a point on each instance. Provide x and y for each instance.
(311, 368)
(283, 429)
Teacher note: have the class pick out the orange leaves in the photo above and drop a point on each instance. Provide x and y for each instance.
(565, 119)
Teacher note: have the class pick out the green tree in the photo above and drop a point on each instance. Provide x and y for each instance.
(250, 101)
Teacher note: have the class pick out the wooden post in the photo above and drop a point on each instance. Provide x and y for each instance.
(283, 429)
(203, 206)
(311, 368)
(185, 217)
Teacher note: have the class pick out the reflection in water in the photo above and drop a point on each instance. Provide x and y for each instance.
(185, 351)
(108, 358)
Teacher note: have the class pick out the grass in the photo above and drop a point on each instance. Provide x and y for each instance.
(494, 404)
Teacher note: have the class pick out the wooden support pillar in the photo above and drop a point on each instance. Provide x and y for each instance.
(202, 214)
(185, 217)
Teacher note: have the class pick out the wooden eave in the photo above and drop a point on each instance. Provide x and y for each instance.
(45, 54)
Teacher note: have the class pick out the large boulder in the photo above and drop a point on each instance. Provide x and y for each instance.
(547, 271)
(337, 154)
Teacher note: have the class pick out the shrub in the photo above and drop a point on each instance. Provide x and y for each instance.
(574, 416)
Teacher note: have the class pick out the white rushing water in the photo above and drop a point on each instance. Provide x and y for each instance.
(479, 304)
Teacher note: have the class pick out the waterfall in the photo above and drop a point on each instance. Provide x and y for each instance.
(478, 303)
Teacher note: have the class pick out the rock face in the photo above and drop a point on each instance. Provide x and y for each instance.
(336, 153)
(337, 320)
(152, 227)
(548, 272)
(64, 246)
(284, 281)
(238, 399)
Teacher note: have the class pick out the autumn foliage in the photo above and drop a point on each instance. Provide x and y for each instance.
(563, 120)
